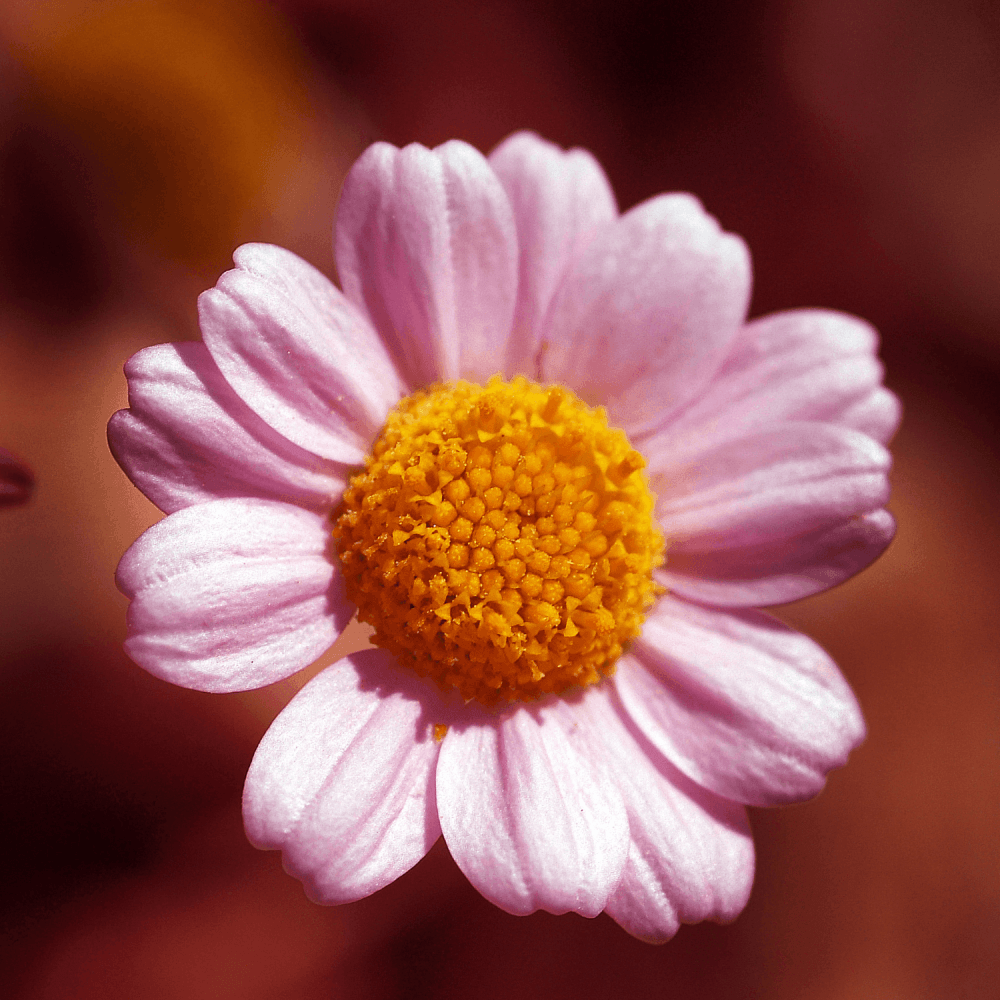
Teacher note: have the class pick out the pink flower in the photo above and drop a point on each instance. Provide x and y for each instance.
(764, 447)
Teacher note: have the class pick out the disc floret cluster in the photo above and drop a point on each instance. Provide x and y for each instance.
(501, 539)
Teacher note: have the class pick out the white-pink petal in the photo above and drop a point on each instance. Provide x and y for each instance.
(785, 505)
(807, 364)
(780, 481)
(742, 704)
(233, 594)
(298, 353)
(647, 312)
(343, 781)
(187, 438)
(531, 821)
(878, 415)
(560, 199)
(426, 245)
(778, 569)
(691, 855)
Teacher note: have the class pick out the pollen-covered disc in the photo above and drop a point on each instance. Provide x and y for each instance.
(501, 539)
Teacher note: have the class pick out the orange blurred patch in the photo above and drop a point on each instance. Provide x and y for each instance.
(194, 111)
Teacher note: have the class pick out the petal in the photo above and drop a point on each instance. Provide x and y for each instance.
(426, 245)
(778, 570)
(298, 353)
(560, 199)
(691, 856)
(188, 438)
(531, 822)
(785, 506)
(809, 364)
(232, 594)
(16, 480)
(343, 781)
(780, 481)
(742, 704)
(878, 415)
(647, 313)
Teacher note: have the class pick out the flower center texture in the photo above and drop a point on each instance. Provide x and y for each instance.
(501, 539)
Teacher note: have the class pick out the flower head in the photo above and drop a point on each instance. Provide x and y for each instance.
(536, 445)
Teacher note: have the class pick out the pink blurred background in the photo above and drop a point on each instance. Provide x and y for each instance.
(855, 144)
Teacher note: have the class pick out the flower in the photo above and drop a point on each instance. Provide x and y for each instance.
(582, 718)
(16, 480)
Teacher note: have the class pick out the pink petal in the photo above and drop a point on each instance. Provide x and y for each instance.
(559, 199)
(298, 353)
(16, 480)
(804, 365)
(780, 481)
(780, 505)
(778, 570)
(741, 703)
(878, 415)
(648, 311)
(343, 781)
(691, 856)
(232, 594)
(188, 438)
(426, 244)
(533, 822)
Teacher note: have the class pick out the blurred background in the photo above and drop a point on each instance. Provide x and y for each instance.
(855, 144)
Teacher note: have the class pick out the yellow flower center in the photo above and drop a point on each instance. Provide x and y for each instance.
(501, 539)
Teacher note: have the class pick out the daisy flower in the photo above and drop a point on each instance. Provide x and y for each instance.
(535, 444)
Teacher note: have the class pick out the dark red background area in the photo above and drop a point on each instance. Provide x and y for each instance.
(854, 145)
